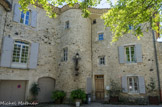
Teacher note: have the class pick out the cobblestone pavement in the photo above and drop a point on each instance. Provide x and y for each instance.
(97, 105)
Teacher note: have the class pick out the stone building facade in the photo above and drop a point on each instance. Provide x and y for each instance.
(36, 48)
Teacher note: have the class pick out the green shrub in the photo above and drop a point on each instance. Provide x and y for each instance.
(58, 95)
(78, 94)
(34, 90)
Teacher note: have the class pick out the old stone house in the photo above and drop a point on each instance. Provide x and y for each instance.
(36, 48)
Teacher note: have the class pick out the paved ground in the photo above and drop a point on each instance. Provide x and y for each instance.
(97, 105)
(87, 105)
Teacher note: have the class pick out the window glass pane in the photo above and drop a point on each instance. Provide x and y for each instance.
(27, 13)
(133, 84)
(100, 36)
(102, 60)
(22, 17)
(25, 17)
(26, 22)
(130, 27)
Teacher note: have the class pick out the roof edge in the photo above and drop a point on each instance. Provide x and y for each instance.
(60, 10)
(6, 4)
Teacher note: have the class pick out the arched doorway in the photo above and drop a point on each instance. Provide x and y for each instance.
(47, 85)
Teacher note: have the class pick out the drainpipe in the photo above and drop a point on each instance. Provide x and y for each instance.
(92, 60)
(157, 64)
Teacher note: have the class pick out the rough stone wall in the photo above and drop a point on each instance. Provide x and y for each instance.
(81, 37)
(159, 56)
(77, 38)
(2, 21)
(113, 69)
(46, 34)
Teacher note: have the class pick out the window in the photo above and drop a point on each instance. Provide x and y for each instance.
(130, 27)
(25, 18)
(29, 18)
(133, 85)
(20, 53)
(102, 60)
(100, 36)
(130, 54)
(94, 21)
(67, 24)
(65, 53)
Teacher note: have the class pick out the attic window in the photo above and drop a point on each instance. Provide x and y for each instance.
(94, 21)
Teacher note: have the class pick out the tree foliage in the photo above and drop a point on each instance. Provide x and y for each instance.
(123, 13)
(136, 13)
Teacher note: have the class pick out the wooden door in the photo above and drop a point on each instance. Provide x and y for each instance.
(47, 86)
(99, 86)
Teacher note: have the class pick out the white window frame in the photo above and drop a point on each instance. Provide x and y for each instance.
(102, 60)
(130, 54)
(65, 54)
(25, 14)
(133, 84)
(99, 36)
(20, 64)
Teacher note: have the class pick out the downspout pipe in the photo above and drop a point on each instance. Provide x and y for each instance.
(157, 64)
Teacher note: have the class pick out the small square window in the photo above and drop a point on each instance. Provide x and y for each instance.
(100, 36)
(102, 60)
(67, 24)
(130, 27)
(94, 21)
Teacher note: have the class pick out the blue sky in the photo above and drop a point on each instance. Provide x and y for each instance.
(104, 4)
